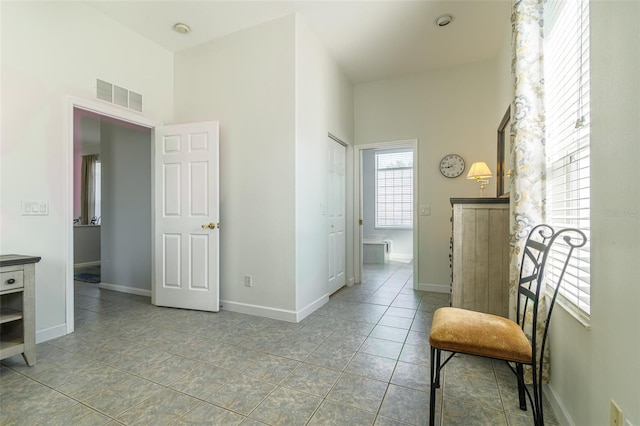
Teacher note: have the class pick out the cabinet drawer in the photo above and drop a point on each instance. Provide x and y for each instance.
(10, 280)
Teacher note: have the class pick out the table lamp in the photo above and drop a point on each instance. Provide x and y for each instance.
(481, 173)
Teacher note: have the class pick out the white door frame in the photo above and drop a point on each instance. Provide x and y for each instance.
(105, 110)
(357, 202)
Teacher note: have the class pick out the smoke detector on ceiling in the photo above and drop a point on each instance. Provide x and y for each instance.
(443, 20)
(181, 28)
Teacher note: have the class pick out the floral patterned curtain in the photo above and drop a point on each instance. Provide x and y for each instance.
(527, 139)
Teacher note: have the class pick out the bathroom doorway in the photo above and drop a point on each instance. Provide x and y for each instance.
(387, 204)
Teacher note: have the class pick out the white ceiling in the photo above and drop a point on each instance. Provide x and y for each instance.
(370, 40)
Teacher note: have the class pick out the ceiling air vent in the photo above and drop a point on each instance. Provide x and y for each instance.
(104, 91)
(135, 101)
(117, 95)
(121, 96)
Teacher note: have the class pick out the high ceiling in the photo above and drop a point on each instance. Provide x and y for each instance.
(370, 40)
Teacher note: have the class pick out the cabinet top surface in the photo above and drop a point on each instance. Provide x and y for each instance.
(484, 200)
(17, 259)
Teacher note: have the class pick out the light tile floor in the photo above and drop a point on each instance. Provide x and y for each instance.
(361, 359)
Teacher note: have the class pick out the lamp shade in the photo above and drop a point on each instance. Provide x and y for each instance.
(479, 170)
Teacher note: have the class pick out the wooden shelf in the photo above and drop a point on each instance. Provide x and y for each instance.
(11, 347)
(8, 315)
(12, 291)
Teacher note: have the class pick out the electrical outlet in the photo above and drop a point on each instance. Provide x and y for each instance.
(248, 281)
(615, 415)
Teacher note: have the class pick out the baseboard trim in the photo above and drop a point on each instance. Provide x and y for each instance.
(558, 407)
(51, 333)
(401, 257)
(274, 313)
(86, 264)
(262, 311)
(311, 308)
(126, 289)
(435, 288)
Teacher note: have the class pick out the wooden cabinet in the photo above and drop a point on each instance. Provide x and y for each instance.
(480, 255)
(17, 307)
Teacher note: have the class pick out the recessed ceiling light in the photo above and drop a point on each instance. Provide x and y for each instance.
(443, 20)
(181, 28)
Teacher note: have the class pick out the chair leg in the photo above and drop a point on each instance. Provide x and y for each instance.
(521, 385)
(435, 383)
(537, 395)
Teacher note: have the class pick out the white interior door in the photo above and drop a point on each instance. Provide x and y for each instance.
(186, 225)
(336, 211)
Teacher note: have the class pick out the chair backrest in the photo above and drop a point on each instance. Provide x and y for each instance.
(542, 240)
(531, 269)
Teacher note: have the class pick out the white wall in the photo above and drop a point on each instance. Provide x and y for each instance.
(126, 207)
(246, 81)
(456, 110)
(277, 94)
(505, 86)
(590, 367)
(49, 50)
(401, 239)
(86, 244)
(324, 103)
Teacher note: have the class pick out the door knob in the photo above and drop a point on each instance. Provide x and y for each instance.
(209, 225)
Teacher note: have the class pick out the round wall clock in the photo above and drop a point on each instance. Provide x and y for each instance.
(452, 166)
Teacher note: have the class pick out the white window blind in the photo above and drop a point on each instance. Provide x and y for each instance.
(394, 189)
(566, 75)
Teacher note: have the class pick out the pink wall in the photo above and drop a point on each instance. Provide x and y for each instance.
(77, 160)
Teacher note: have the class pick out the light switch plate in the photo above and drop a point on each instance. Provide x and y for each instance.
(425, 210)
(35, 208)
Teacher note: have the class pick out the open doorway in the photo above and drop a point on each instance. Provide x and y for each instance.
(387, 204)
(112, 203)
(121, 231)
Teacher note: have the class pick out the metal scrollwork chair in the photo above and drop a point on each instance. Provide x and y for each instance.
(475, 333)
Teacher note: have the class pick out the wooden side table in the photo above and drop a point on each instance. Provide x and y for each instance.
(17, 307)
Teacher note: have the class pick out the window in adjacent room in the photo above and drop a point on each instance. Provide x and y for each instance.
(566, 74)
(98, 192)
(394, 189)
(90, 192)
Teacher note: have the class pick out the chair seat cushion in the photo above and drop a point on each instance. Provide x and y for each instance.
(477, 333)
